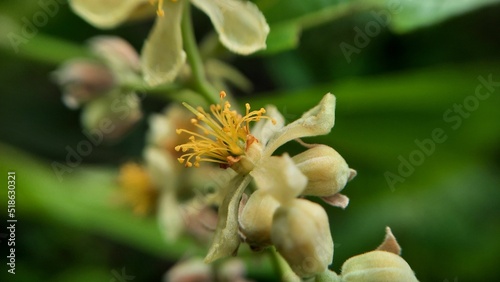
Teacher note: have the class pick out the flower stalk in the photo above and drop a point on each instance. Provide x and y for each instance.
(194, 58)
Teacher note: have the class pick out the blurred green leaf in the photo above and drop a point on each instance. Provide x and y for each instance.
(288, 19)
(412, 14)
(84, 200)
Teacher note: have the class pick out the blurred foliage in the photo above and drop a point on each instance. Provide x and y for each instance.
(395, 91)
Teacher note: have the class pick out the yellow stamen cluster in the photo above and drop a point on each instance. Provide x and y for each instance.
(137, 188)
(225, 134)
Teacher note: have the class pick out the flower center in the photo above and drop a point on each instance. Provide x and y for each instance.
(225, 134)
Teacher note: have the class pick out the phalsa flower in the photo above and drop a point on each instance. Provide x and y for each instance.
(383, 264)
(241, 27)
(226, 139)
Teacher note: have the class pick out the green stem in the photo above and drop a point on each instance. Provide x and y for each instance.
(284, 271)
(194, 59)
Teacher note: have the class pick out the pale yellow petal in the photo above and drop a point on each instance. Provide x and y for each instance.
(162, 56)
(280, 177)
(105, 13)
(317, 121)
(241, 25)
(170, 217)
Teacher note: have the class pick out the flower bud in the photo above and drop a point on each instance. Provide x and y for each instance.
(325, 169)
(301, 234)
(257, 217)
(82, 81)
(377, 266)
(112, 115)
(383, 264)
(117, 53)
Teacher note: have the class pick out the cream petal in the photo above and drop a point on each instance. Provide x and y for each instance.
(113, 114)
(162, 55)
(241, 25)
(161, 167)
(264, 129)
(280, 177)
(170, 215)
(317, 121)
(105, 13)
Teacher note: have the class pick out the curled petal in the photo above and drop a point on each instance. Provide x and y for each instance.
(162, 54)
(317, 121)
(226, 239)
(105, 13)
(161, 167)
(170, 215)
(241, 25)
(280, 177)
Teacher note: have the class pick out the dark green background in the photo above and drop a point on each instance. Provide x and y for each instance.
(395, 91)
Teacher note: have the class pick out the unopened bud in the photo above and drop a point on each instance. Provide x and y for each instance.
(82, 81)
(325, 169)
(377, 266)
(301, 234)
(112, 115)
(257, 217)
(118, 54)
(383, 264)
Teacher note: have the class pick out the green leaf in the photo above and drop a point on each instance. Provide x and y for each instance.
(82, 200)
(288, 19)
(413, 14)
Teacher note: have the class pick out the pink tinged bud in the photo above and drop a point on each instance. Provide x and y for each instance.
(116, 52)
(301, 234)
(256, 219)
(190, 270)
(82, 81)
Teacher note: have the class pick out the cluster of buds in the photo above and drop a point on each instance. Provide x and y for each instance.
(274, 212)
(97, 85)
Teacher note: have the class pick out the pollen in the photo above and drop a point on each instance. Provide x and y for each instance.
(137, 188)
(224, 134)
(159, 11)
